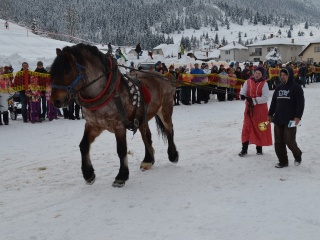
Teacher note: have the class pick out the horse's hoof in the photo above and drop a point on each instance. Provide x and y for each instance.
(176, 159)
(91, 180)
(145, 166)
(118, 183)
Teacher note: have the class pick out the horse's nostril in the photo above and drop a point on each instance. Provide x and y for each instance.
(57, 103)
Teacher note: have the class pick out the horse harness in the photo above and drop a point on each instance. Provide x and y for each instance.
(110, 92)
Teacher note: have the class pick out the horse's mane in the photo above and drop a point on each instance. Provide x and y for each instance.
(61, 64)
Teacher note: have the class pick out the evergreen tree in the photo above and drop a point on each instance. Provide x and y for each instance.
(227, 23)
(34, 26)
(216, 39)
(279, 32)
(289, 34)
(264, 37)
(311, 34)
(291, 27)
(306, 25)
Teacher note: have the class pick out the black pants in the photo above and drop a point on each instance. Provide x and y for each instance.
(283, 137)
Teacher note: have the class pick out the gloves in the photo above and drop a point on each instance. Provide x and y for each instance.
(243, 97)
(249, 99)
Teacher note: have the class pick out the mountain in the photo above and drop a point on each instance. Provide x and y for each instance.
(151, 22)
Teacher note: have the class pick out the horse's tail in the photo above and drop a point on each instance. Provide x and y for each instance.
(161, 128)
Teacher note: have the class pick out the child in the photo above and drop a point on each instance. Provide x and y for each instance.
(51, 109)
(35, 99)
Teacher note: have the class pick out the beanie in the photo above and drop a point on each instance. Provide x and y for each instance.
(39, 63)
(285, 71)
(261, 69)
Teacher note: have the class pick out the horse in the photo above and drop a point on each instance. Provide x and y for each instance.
(114, 102)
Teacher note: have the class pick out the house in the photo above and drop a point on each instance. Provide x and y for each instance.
(286, 48)
(234, 52)
(166, 50)
(311, 53)
(207, 54)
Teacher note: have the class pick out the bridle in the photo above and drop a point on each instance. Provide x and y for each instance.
(72, 91)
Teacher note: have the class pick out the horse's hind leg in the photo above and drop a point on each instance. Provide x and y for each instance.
(148, 160)
(123, 174)
(89, 136)
(165, 127)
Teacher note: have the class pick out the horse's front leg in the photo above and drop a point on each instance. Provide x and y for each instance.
(89, 136)
(148, 160)
(123, 174)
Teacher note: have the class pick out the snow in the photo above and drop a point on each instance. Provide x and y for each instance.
(210, 194)
(232, 46)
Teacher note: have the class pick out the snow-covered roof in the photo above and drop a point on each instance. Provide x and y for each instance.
(310, 43)
(277, 41)
(233, 45)
(168, 49)
(215, 53)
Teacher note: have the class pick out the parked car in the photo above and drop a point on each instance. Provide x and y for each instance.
(146, 65)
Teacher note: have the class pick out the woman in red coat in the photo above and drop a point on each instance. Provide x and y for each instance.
(256, 92)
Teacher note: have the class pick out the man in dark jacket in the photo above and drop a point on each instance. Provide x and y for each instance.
(138, 50)
(287, 104)
(303, 72)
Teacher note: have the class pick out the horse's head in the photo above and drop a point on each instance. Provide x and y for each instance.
(77, 68)
(64, 72)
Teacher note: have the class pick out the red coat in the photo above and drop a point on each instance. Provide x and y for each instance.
(250, 129)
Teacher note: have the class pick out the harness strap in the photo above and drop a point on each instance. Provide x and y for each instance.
(129, 125)
(110, 97)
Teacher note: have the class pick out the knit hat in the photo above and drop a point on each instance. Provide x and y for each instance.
(261, 69)
(285, 71)
(39, 63)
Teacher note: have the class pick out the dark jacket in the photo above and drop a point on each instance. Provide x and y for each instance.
(287, 101)
(138, 48)
(303, 71)
(40, 70)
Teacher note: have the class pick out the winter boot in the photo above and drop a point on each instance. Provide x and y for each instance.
(6, 118)
(259, 150)
(244, 150)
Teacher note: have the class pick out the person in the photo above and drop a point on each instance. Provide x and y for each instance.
(40, 69)
(138, 50)
(6, 24)
(5, 84)
(256, 93)
(303, 72)
(34, 96)
(181, 50)
(73, 108)
(222, 84)
(150, 54)
(172, 76)
(207, 88)
(197, 93)
(22, 79)
(119, 54)
(109, 48)
(287, 104)
(185, 92)
(52, 112)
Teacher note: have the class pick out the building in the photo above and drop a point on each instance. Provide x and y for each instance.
(286, 47)
(166, 50)
(311, 53)
(234, 52)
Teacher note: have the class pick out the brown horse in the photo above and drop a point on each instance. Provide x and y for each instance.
(114, 102)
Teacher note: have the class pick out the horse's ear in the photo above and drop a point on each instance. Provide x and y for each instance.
(58, 51)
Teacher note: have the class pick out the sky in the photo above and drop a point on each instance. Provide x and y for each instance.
(211, 193)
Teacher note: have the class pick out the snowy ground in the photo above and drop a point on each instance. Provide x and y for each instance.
(210, 194)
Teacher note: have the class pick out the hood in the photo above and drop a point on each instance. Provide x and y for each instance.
(290, 74)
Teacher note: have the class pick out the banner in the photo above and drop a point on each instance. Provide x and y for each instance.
(33, 81)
